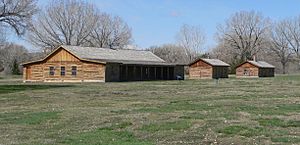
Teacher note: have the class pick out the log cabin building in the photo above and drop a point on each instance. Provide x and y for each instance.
(208, 68)
(255, 69)
(90, 64)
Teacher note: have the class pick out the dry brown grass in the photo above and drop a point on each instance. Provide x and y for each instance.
(239, 111)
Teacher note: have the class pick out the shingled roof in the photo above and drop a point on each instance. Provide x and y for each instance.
(261, 64)
(107, 55)
(212, 62)
(113, 55)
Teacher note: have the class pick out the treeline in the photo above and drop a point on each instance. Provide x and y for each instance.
(12, 55)
(68, 22)
(245, 35)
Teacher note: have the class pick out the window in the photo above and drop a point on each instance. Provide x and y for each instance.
(62, 71)
(51, 71)
(246, 72)
(74, 70)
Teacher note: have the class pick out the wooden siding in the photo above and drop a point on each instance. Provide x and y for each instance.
(86, 71)
(92, 71)
(62, 55)
(199, 70)
(247, 70)
(33, 72)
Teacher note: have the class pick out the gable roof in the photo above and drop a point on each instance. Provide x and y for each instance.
(260, 64)
(113, 55)
(212, 62)
(103, 55)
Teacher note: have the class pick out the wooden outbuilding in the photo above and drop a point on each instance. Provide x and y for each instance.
(208, 68)
(255, 69)
(90, 64)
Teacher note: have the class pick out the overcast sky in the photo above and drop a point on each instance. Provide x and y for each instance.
(156, 22)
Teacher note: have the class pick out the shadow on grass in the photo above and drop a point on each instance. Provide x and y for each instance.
(4, 89)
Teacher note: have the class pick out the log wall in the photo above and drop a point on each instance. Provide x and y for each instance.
(86, 71)
(200, 70)
(247, 70)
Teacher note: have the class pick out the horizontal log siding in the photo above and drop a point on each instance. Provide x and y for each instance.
(200, 70)
(92, 71)
(253, 70)
(86, 71)
(36, 72)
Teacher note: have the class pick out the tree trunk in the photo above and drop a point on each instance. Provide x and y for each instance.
(283, 68)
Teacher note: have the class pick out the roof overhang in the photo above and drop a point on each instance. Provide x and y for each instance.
(253, 65)
(207, 63)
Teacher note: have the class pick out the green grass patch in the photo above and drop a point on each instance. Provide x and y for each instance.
(117, 126)
(289, 107)
(167, 126)
(233, 129)
(178, 106)
(249, 132)
(193, 116)
(283, 109)
(27, 117)
(4, 89)
(105, 137)
(276, 122)
(286, 139)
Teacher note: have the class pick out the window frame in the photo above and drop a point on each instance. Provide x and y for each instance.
(246, 72)
(51, 71)
(62, 71)
(74, 71)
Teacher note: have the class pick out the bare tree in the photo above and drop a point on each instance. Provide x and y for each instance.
(245, 33)
(68, 22)
(17, 14)
(2, 36)
(192, 39)
(280, 44)
(75, 22)
(10, 55)
(110, 32)
(292, 35)
(171, 53)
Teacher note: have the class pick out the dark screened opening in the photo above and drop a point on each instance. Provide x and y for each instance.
(152, 73)
(138, 72)
(171, 73)
(130, 71)
(165, 73)
(158, 73)
(145, 73)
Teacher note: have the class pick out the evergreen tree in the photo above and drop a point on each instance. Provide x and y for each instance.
(15, 68)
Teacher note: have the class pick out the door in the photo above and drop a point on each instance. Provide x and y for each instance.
(28, 73)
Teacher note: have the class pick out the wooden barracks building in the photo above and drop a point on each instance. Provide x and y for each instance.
(208, 68)
(90, 64)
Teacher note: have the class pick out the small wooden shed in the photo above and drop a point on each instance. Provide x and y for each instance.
(255, 69)
(208, 68)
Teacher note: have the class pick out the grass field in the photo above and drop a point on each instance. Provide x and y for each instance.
(239, 111)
